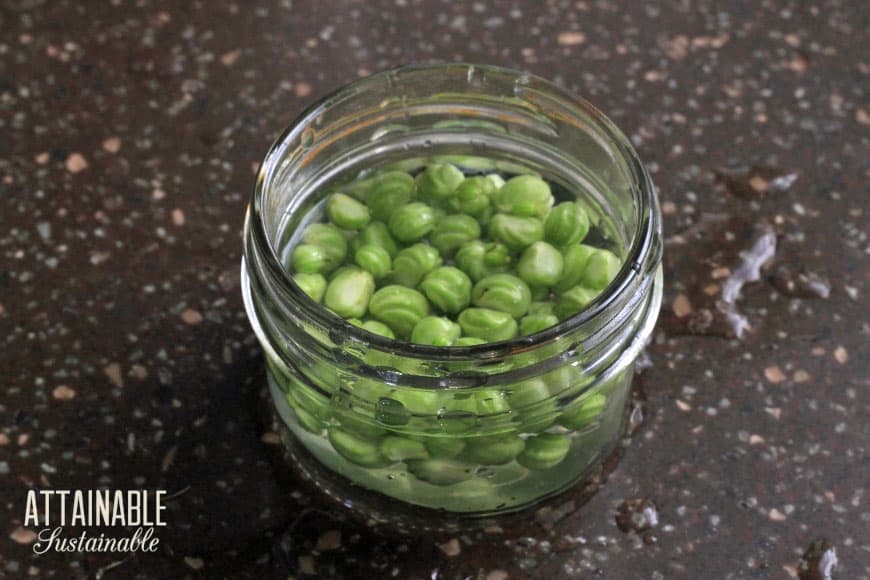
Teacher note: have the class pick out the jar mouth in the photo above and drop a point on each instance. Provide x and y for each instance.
(641, 259)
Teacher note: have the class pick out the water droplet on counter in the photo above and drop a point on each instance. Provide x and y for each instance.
(637, 515)
(756, 181)
(799, 283)
(819, 561)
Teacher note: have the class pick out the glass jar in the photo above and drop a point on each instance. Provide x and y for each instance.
(462, 432)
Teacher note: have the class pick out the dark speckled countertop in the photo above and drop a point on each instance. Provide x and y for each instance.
(129, 135)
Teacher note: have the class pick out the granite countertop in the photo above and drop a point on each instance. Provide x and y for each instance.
(129, 136)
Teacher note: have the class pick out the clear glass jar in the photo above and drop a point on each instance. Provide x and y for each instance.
(482, 430)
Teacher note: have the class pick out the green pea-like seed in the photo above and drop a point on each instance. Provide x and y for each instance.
(574, 260)
(493, 450)
(566, 378)
(356, 449)
(439, 181)
(448, 288)
(391, 191)
(540, 265)
(435, 331)
(534, 405)
(487, 324)
(544, 451)
(386, 181)
(396, 448)
(376, 327)
(503, 292)
(473, 257)
(516, 232)
(524, 195)
(374, 259)
(573, 301)
(583, 411)
(349, 291)
(413, 263)
(601, 268)
(420, 402)
(444, 447)
(472, 196)
(497, 255)
(452, 231)
(532, 323)
(308, 421)
(346, 212)
(491, 402)
(411, 222)
(399, 307)
(566, 224)
(440, 471)
(314, 285)
(496, 180)
(309, 259)
(376, 234)
(331, 245)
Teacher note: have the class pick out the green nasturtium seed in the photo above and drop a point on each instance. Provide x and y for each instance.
(544, 451)
(439, 181)
(447, 288)
(349, 291)
(413, 263)
(566, 224)
(479, 259)
(487, 324)
(534, 405)
(376, 327)
(440, 471)
(314, 285)
(493, 450)
(444, 447)
(322, 249)
(503, 292)
(346, 212)
(391, 191)
(452, 231)
(376, 234)
(524, 195)
(412, 222)
(385, 181)
(540, 265)
(469, 341)
(398, 307)
(582, 412)
(573, 301)
(435, 331)
(532, 323)
(356, 449)
(374, 259)
(516, 232)
(601, 268)
(472, 196)
(574, 260)
(396, 448)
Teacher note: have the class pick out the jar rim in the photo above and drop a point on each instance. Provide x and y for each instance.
(642, 257)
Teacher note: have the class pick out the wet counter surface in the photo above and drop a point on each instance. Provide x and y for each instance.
(130, 136)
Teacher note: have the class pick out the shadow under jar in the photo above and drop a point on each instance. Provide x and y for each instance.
(455, 434)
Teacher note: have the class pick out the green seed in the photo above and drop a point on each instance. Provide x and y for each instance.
(494, 450)
(308, 421)
(502, 292)
(448, 288)
(349, 292)
(573, 301)
(496, 180)
(469, 341)
(399, 307)
(414, 262)
(439, 181)
(534, 404)
(419, 402)
(444, 447)
(474, 259)
(540, 265)
(544, 451)
(331, 244)
(376, 234)
(435, 331)
(387, 181)
(566, 224)
(393, 190)
(374, 259)
(566, 378)
(452, 231)
(440, 471)
(491, 402)
(397, 448)
(532, 323)
(346, 212)
(516, 232)
(472, 196)
(601, 268)
(574, 260)
(524, 195)
(582, 412)
(376, 327)
(356, 449)
(489, 325)
(412, 222)
(314, 285)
